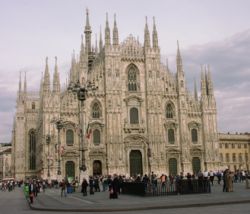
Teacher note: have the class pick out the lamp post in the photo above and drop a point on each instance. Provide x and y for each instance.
(81, 92)
(48, 139)
(59, 126)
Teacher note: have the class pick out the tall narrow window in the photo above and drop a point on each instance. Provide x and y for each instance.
(227, 157)
(96, 137)
(134, 117)
(221, 157)
(69, 137)
(194, 135)
(96, 112)
(33, 105)
(171, 138)
(32, 150)
(240, 158)
(234, 157)
(169, 111)
(132, 79)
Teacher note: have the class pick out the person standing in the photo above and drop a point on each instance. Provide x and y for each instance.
(31, 191)
(91, 185)
(63, 188)
(84, 187)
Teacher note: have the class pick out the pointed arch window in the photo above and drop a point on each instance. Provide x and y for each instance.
(169, 111)
(96, 137)
(134, 116)
(32, 150)
(171, 137)
(221, 157)
(132, 79)
(96, 111)
(69, 137)
(33, 105)
(194, 134)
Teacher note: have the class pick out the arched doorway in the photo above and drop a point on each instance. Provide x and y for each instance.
(70, 170)
(172, 163)
(97, 167)
(196, 163)
(135, 159)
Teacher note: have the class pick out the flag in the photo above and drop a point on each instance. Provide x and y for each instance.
(88, 132)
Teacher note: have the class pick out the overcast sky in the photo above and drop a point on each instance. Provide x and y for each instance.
(209, 32)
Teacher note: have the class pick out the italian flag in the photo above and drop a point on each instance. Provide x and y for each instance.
(88, 132)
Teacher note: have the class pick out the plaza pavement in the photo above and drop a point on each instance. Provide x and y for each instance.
(100, 202)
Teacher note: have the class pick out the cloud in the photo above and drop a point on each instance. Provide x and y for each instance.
(230, 68)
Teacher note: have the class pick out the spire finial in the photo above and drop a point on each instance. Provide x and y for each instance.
(87, 18)
(146, 35)
(115, 33)
(155, 36)
(46, 60)
(195, 90)
(107, 32)
(107, 18)
(20, 81)
(25, 83)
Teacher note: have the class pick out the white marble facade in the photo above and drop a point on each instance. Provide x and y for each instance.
(140, 119)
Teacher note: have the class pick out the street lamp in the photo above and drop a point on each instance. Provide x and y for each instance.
(81, 92)
(48, 139)
(59, 126)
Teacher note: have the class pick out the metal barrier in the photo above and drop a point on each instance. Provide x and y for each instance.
(159, 189)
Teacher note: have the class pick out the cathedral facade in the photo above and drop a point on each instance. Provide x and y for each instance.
(135, 115)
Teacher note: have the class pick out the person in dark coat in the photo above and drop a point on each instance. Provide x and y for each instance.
(84, 187)
(91, 185)
(114, 188)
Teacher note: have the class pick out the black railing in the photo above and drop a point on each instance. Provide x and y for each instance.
(159, 189)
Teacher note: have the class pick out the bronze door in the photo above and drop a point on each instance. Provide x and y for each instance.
(97, 167)
(70, 169)
(135, 158)
(196, 165)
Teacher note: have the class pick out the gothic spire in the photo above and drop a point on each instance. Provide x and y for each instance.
(73, 70)
(87, 32)
(25, 83)
(179, 59)
(46, 81)
(100, 40)
(115, 33)
(167, 64)
(96, 47)
(56, 80)
(203, 83)
(155, 35)
(20, 82)
(195, 91)
(107, 32)
(209, 82)
(146, 35)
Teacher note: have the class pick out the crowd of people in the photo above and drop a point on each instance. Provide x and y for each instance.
(114, 184)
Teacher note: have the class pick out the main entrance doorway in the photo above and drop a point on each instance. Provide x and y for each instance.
(135, 159)
(97, 167)
(196, 165)
(70, 170)
(172, 163)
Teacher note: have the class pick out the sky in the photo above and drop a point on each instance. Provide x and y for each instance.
(209, 32)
